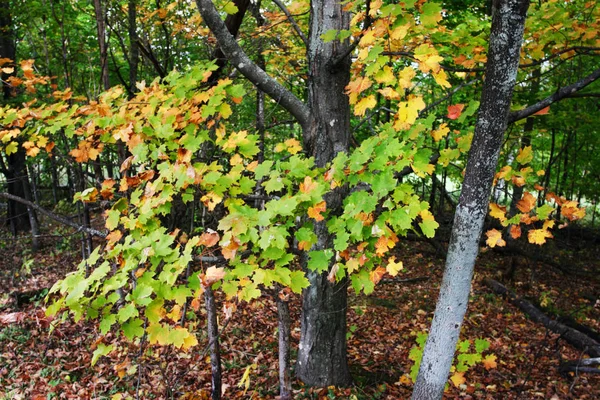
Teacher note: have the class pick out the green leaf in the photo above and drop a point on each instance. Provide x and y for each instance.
(544, 211)
(107, 322)
(319, 260)
(463, 346)
(141, 294)
(100, 351)
(230, 8)
(329, 35)
(481, 345)
(133, 328)
(298, 281)
(127, 312)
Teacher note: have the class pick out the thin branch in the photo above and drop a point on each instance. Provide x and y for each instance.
(55, 217)
(558, 95)
(236, 55)
(287, 13)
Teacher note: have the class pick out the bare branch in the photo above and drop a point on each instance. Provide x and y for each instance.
(56, 217)
(240, 60)
(287, 13)
(558, 95)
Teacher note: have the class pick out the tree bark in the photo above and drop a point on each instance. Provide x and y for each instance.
(508, 20)
(100, 14)
(213, 340)
(322, 349)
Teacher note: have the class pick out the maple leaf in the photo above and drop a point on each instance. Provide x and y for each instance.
(308, 185)
(515, 231)
(385, 76)
(209, 238)
(211, 200)
(406, 76)
(352, 265)
(455, 110)
(527, 203)
(441, 78)
(498, 212)
(364, 104)
(383, 244)
(293, 146)
(393, 267)
(458, 378)
(333, 273)
(316, 210)
(525, 155)
(358, 85)
(489, 361)
(376, 275)
(440, 133)
(494, 238)
(543, 111)
(538, 236)
(212, 275)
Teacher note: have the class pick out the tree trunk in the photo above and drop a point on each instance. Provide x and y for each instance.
(213, 343)
(100, 14)
(322, 349)
(508, 20)
(7, 47)
(134, 50)
(283, 324)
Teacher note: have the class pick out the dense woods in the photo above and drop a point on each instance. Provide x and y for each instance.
(295, 199)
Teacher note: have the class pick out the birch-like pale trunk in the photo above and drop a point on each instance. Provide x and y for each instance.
(508, 21)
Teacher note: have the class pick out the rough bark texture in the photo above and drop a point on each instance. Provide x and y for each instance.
(574, 337)
(213, 339)
(134, 50)
(283, 324)
(100, 14)
(322, 349)
(508, 20)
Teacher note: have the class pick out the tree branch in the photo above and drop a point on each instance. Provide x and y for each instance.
(284, 9)
(558, 95)
(232, 50)
(55, 217)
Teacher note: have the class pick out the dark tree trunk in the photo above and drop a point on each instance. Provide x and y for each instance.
(100, 14)
(322, 350)
(213, 340)
(134, 50)
(283, 324)
(7, 47)
(508, 21)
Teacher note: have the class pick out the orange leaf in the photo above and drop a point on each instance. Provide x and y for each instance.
(315, 212)
(212, 275)
(209, 238)
(515, 231)
(455, 110)
(383, 245)
(489, 361)
(543, 111)
(526, 203)
(376, 275)
(308, 185)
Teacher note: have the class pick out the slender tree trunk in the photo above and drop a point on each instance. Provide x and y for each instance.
(7, 47)
(508, 21)
(134, 50)
(283, 324)
(213, 340)
(100, 14)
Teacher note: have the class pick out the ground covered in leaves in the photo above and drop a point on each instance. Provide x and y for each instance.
(383, 327)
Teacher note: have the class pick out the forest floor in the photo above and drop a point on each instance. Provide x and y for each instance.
(383, 327)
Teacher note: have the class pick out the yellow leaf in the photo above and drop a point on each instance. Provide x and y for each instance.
(549, 224)
(458, 378)
(366, 103)
(498, 212)
(400, 32)
(389, 93)
(8, 70)
(189, 342)
(408, 112)
(293, 146)
(225, 110)
(393, 267)
(308, 185)
(489, 361)
(440, 132)
(245, 381)
(538, 236)
(211, 200)
(385, 76)
(441, 78)
(494, 238)
(352, 265)
(406, 76)
(525, 155)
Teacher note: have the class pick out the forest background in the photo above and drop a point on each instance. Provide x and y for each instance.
(210, 159)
